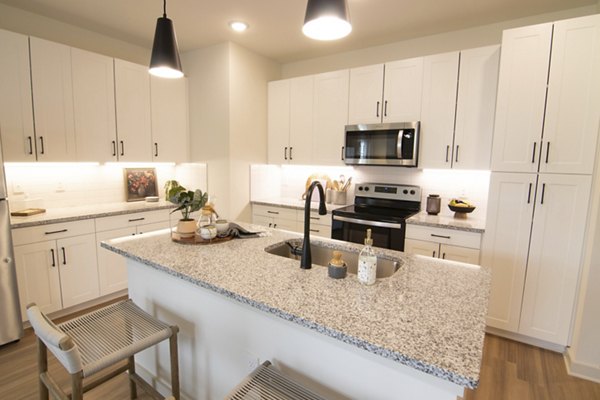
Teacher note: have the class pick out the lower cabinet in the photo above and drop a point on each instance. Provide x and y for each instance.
(291, 219)
(56, 273)
(447, 244)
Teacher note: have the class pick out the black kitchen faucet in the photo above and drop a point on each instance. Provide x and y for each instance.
(306, 260)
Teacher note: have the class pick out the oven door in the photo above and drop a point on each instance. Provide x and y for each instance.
(388, 235)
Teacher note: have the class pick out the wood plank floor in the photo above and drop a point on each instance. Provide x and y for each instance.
(510, 371)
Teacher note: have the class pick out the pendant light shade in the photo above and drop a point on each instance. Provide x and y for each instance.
(165, 55)
(326, 19)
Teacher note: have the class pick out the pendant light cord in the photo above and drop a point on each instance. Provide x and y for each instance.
(164, 8)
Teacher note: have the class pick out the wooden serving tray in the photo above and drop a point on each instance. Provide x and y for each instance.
(198, 240)
(28, 212)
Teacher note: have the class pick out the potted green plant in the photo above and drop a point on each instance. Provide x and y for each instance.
(187, 201)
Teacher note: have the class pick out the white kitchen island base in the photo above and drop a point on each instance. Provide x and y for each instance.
(221, 340)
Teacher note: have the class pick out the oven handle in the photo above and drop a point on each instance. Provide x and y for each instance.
(399, 144)
(367, 222)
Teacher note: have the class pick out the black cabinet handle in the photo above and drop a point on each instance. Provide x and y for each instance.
(447, 151)
(443, 256)
(533, 154)
(42, 144)
(270, 224)
(273, 212)
(122, 147)
(529, 194)
(274, 225)
(64, 256)
(385, 109)
(315, 230)
(543, 192)
(285, 154)
(291, 148)
(456, 159)
(114, 145)
(155, 149)
(53, 232)
(433, 254)
(547, 151)
(53, 259)
(377, 115)
(137, 219)
(440, 236)
(30, 144)
(343, 147)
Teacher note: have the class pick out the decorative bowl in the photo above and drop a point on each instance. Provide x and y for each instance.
(464, 210)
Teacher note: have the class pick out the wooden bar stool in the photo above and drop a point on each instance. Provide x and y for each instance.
(93, 342)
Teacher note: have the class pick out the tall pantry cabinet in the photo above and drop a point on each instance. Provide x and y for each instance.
(545, 141)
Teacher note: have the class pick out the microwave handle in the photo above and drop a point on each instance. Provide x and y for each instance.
(399, 144)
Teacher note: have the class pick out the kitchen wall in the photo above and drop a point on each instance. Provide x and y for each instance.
(27, 23)
(450, 41)
(56, 185)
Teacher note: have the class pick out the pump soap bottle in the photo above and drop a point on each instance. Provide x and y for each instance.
(367, 262)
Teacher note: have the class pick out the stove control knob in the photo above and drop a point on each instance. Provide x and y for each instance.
(405, 191)
(412, 192)
(360, 188)
(366, 188)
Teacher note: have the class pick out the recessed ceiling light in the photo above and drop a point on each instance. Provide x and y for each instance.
(238, 26)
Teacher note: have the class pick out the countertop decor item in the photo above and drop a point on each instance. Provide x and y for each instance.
(187, 202)
(433, 204)
(460, 207)
(28, 212)
(337, 268)
(164, 61)
(140, 183)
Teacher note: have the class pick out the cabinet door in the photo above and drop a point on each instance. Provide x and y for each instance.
(573, 105)
(112, 268)
(78, 269)
(38, 276)
(506, 244)
(94, 106)
(477, 84)
(440, 81)
(366, 95)
(330, 113)
(461, 254)
(169, 98)
(402, 90)
(262, 220)
(53, 100)
(521, 98)
(278, 124)
(287, 224)
(132, 93)
(555, 256)
(422, 247)
(301, 119)
(157, 226)
(16, 112)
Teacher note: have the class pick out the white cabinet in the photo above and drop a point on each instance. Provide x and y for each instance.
(330, 115)
(549, 106)
(52, 100)
(169, 98)
(275, 217)
(440, 83)
(386, 93)
(278, 121)
(56, 265)
(94, 106)
(320, 225)
(447, 244)
(132, 96)
(16, 112)
(535, 251)
(475, 108)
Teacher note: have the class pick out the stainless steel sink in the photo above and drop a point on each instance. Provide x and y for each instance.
(321, 256)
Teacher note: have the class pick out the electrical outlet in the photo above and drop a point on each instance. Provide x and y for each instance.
(17, 188)
(251, 362)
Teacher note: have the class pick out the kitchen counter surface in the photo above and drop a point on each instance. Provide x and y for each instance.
(67, 214)
(470, 224)
(430, 315)
(289, 202)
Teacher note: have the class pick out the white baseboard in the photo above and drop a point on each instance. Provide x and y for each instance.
(581, 370)
(157, 383)
(527, 340)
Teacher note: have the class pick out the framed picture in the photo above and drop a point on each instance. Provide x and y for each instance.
(140, 183)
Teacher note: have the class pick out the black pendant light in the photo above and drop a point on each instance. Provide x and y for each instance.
(165, 56)
(326, 19)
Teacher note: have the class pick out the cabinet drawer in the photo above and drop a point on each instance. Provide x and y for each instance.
(127, 220)
(52, 231)
(444, 236)
(318, 230)
(275, 212)
(315, 218)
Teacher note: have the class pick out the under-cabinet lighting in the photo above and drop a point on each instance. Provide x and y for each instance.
(51, 164)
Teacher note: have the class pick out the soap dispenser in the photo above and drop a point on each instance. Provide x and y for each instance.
(367, 262)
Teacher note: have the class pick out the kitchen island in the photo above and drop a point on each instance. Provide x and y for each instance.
(416, 334)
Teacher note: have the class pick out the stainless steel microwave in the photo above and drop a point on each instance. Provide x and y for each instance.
(382, 144)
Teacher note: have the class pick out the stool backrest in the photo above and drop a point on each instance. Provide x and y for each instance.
(58, 342)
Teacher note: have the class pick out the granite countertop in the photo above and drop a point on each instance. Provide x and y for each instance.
(430, 315)
(472, 223)
(290, 202)
(67, 214)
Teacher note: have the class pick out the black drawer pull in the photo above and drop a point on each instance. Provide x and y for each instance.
(377, 114)
(447, 151)
(122, 147)
(343, 153)
(533, 154)
(114, 145)
(291, 158)
(137, 219)
(529, 194)
(456, 159)
(547, 151)
(315, 218)
(433, 254)
(53, 259)
(155, 149)
(273, 212)
(64, 256)
(53, 232)
(30, 144)
(315, 230)
(441, 236)
(385, 109)
(42, 144)
(443, 256)
(543, 193)
(285, 153)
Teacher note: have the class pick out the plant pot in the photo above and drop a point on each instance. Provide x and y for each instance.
(186, 228)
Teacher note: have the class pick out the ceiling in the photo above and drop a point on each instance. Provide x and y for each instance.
(275, 25)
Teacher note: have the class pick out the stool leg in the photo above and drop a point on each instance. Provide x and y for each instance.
(132, 387)
(42, 356)
(174, 364)
(77, 386)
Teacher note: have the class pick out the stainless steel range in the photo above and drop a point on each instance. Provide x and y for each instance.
(383, 208)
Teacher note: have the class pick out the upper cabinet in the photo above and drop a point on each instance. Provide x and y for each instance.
(169, 119)
(53, 100)
(553, 68)
(278, 121)
(386, 93)
(94, 106)
(16, 112)
(301, 120)
(132, 94)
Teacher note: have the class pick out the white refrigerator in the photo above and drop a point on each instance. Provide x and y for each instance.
(11, 328)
